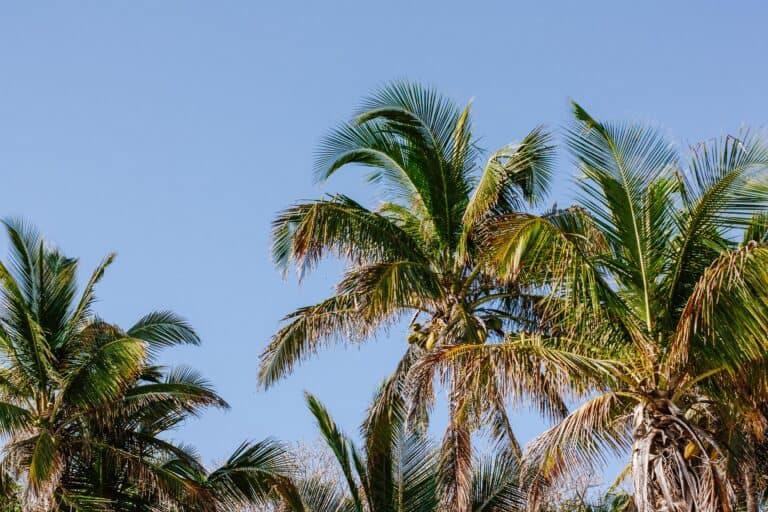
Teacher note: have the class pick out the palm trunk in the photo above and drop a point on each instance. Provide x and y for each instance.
(673, 469)
(456, 460)
(749, 487)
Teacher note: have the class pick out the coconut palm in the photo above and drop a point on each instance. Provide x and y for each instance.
(130, 464)
(657, 300)
(416, 254)
(81, 406)
(56, 365)
(398, 470)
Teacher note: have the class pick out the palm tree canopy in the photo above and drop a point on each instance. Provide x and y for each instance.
(417, 251)
(654, 276)
(85, 408)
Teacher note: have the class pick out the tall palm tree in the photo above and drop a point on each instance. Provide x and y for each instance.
(657, 300)
(398, 470)
(416, 254)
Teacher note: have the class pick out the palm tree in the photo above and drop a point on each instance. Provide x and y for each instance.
(56, 364)
(417, 254)
(658, 301)
(398, 470)
(82, 406)
(131, 466)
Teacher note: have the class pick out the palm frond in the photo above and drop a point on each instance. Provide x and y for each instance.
(620, 163)
(724, 319)
(412, 131)
(385, 289)
(101, 375)
(250, 474)
(722, 189)
(309, 328)
(524, 367)
(515, 174)
(496, 485)
(161, 329)
(339, 444)
(454, 484)
(583, 441)
(302, 234)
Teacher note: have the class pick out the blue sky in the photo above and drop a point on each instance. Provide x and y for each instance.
(172, 132)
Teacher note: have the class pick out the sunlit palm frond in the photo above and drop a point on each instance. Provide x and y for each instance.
(162, 329)
(249, 475)
(336, 318)
(724, 319)
(339, 444)
(514, 175)
(620, 163)
(722, 189)
(523, 367)
(424, 125)
(302, 234)
(388, 288)
(584, 440)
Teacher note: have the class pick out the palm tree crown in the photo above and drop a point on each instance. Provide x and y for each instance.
(84, 407)
(418, 253)
(657, 299)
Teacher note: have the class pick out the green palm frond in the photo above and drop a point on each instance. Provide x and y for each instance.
(416, 129)
(83, 309)
(496, 486)
(514, 175)
(308, 329)
(161, 329)
(339, 444)
(756, 229)
(382, 430)
(104, 374)
(45, 462)
(302, 234)
(416, 468)
(250, 474)
(620, 163)
(723, 189)
(158, 406)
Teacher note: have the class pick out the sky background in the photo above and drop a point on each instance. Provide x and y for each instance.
(172, 132)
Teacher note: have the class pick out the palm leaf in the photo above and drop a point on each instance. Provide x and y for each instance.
(302, 234)
(336, 318)
(339, 444)
(620, 163)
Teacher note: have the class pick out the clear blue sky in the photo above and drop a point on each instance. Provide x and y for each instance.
(171, 132)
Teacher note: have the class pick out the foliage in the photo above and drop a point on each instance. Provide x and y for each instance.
(656, 283)
(418, 254)
(398, 470)
(84, 407)
(645, 303)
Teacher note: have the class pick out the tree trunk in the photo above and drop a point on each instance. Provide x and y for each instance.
(749, 487)
(455, 482)
(675, 467)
